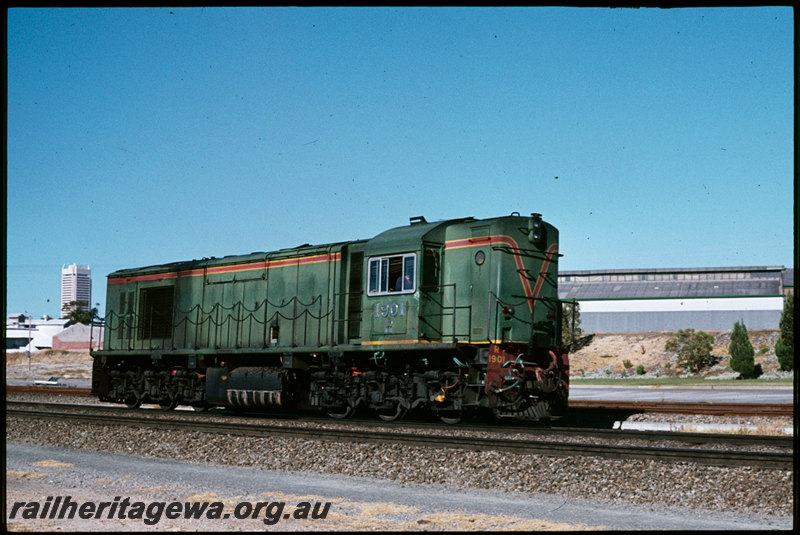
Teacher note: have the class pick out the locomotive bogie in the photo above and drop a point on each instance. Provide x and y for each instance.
(449, 316)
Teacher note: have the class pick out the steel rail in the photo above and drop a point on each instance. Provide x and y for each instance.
(533, 429)
(677, 407)
(775, 460)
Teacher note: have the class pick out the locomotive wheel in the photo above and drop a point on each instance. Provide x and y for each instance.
(450, 417)
(396, 411)
(340, 413)
(133, 400)
(168, 402)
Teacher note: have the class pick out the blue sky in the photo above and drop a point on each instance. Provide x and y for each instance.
(650, 137)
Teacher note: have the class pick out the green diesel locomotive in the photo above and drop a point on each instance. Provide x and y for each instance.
(450, 316)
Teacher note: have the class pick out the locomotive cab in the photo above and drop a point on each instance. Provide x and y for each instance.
(402, 267)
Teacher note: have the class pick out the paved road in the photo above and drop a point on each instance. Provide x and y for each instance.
(713, 394)
(356, 503)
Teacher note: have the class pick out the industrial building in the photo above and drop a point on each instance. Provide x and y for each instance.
(24, 333)
(646, 300)
(31, 334)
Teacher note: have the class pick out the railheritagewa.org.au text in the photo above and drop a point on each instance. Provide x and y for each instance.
(151, 513)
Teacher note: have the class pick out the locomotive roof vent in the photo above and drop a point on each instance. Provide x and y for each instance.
(417, 220)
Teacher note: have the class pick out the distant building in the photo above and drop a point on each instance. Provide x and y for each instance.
(29, 334)
(644, 300)
(76, 285)
(79, 337)
(20, 330)
(788, 281)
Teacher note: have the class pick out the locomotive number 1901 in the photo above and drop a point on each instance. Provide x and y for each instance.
(386, 310)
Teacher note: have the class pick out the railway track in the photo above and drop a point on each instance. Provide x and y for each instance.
(535, 429)
(504, 442)
(704, 408)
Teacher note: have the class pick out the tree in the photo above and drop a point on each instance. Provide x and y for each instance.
(693, 349)
(784, 348)
(741, 350)
(78, 312)
(570, 323)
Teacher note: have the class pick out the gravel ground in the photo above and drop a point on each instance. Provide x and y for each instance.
(346, 504)
(746, 490)
(767, 426)
(357, 504)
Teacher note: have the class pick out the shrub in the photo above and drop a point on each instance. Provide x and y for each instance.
(639, 370)
(785, 356)
(693, 349)
(571, 331)
(627, 364)
(741, 350)
(784, 349)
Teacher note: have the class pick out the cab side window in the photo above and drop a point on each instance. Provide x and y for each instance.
(392, 274)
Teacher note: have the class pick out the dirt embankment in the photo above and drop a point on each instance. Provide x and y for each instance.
(606, 355)
(66, 365)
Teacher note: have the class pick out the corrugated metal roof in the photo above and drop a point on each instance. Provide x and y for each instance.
(735, 269)
(662, 289)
